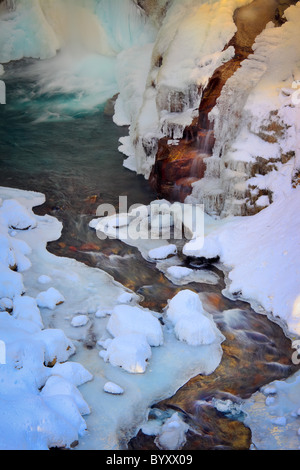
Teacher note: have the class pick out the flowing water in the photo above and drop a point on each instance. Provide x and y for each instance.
(75, 162)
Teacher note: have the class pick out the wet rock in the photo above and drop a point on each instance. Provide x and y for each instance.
(109, 109)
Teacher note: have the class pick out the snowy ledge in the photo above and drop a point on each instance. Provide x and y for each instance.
(262, 258)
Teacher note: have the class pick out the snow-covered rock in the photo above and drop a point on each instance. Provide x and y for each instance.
(79, 320)
(163, 252)
(126, 320)
(191, 323)
(261, 254)
(50, 298)
(113, 388)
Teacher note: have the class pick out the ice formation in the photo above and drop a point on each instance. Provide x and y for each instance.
(166, 97)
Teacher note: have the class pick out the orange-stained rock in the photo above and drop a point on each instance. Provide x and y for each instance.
(89, 247)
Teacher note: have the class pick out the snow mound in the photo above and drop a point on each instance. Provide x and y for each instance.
(126, 319)
(129, 351)
(191, 323)
(79, 320)
(16, 216)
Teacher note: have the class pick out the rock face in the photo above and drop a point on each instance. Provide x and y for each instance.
(181, 163)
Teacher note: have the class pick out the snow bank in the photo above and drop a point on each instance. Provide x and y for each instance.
(50, 298)
(130, 351)
(179, 271)
(261, 255)
(79, 320)
(113, 388)
(134, 331)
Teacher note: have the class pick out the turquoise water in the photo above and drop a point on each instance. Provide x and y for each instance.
(70, 157)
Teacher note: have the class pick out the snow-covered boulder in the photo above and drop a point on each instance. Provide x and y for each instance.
(126, 320)
(191, 323)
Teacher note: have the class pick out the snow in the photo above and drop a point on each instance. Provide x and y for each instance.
(274, 420)
(130, 351)
(16, 216)
(256, 117)
(72, 372)
(261, 255)
(181, 275)
(179, 271)
(126, 319)
(26, 308)
(191, 323)
(149, 228)
(57, 346)
(6, 304)
(57, 386)
(11, 283)
(126, 298)
(172, 435)
(79, 320)
(44, 279)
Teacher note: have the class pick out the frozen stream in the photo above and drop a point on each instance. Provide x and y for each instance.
(76, 164)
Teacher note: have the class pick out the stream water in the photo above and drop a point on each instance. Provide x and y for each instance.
(75, 162)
